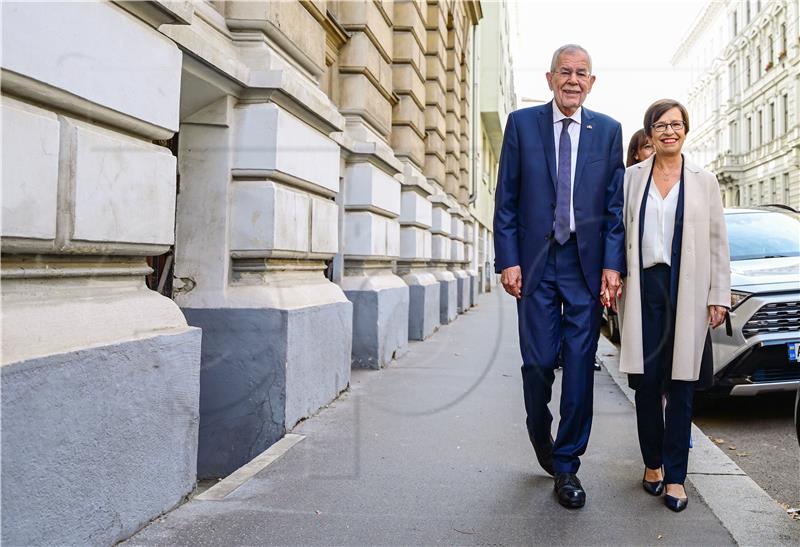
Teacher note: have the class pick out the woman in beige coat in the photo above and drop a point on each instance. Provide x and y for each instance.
(678, 284)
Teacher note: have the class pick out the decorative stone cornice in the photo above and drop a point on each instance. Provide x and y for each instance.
(356, 150)
(160, 12)
(698, 27)
(443, 200)
(474, 11)
(30, 89)
(416, 182)
(54, 266)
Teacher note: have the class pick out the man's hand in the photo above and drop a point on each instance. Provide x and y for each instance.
(511, 278)
(610, 288)
(716, 315)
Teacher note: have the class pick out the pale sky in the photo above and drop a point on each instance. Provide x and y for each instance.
(631, 44)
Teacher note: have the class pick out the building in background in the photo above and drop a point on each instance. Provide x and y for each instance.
(744, 99)
(297, 179)
(495, 100)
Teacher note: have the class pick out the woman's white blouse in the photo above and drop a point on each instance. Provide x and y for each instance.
(659, 226)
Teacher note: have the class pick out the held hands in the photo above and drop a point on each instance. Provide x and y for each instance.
(716, 315)
(511, 278)
(610, 288)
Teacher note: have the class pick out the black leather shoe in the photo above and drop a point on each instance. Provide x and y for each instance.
(675, 504)
(654, 488)
(570, 492)
(544, 453)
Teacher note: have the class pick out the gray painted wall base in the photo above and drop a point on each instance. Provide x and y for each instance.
(99, 441)
(262, 371)
(448, 297)
(423, 308)
(380, 325)
(462, 291)
(473, 289)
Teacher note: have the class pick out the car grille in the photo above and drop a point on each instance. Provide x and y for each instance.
(776, 375)
(773, 318)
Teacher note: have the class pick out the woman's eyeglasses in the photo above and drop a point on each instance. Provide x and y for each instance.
(660, 127)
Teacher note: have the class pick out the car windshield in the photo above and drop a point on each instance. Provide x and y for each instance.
(763, 235)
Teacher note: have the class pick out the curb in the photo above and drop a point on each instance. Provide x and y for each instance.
(750, 515)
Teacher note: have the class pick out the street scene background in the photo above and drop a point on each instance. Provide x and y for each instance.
(248, 279)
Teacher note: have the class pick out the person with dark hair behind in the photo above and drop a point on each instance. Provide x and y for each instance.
(639, 148)
(678, 284)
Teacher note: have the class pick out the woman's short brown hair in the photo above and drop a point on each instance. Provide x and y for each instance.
(658, 109)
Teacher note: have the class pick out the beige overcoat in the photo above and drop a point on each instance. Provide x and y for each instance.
(704, 271)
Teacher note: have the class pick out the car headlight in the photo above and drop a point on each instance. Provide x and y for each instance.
(737, 297)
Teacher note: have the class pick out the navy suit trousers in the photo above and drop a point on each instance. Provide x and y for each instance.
(560, 307)
(663, 432)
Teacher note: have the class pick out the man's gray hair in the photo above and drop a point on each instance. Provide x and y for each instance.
(569, 48)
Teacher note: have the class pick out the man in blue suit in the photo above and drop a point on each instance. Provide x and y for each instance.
(559, 245)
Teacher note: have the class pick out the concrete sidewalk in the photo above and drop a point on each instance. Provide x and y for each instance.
(433, 450)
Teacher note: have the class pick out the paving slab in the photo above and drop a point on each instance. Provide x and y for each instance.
(432, 450)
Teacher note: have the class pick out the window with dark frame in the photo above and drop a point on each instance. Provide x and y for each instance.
(749, 71)
(772, 131)
(760, 128)
(785, 113)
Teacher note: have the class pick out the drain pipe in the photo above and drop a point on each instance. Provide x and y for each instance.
(474, 192)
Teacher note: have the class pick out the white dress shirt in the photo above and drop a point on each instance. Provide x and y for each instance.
(659, 226)
(574, 131)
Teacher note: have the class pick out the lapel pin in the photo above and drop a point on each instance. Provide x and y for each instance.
(589, 126)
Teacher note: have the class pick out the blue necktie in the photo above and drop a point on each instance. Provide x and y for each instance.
(563, 186)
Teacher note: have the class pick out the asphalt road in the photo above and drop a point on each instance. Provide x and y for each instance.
(759, 435)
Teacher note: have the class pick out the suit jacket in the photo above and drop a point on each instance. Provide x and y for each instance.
(701, 268)
(525, 200)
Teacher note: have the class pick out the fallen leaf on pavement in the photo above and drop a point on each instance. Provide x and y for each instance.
(660, 536)
(718, 441)
(731, 447)
(742, 454)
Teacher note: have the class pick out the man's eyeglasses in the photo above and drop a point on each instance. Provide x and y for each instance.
(580, 74)
(660, 127)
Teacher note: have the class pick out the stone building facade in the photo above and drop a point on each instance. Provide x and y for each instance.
(496, 99)
(291, 183)
(744, 98)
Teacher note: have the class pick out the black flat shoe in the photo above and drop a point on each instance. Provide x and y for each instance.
(675, 504)
(570, 492)
(544, 453)
(654, 488)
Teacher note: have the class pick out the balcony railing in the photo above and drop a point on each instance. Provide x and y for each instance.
(724, 162)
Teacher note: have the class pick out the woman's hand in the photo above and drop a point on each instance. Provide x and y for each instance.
(716, 315)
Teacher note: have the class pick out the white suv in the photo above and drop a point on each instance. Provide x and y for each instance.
(763, 354)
